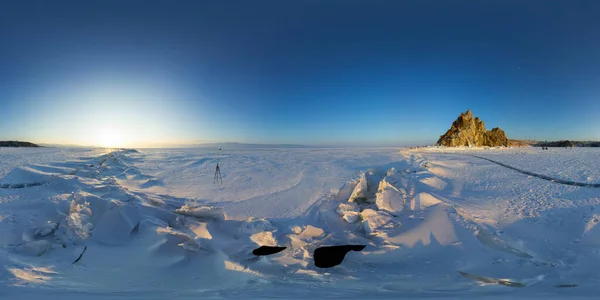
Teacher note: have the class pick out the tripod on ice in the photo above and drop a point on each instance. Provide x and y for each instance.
(218, 170)
(217, 175)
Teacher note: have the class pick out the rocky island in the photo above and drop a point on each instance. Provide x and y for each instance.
(469, 131)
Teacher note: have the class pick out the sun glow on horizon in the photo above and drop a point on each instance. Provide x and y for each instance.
(109, 138)
(117, 108)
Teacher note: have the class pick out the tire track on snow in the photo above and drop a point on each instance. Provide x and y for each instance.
(556, 180)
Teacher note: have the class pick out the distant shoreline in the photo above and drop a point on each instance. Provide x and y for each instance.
(15, 144)
(561, 143)
(511, 143)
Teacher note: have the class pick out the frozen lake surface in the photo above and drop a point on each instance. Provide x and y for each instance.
(436, 222)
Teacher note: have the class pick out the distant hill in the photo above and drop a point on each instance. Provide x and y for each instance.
(18, 144)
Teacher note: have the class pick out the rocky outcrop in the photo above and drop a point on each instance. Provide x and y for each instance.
(470, 131)
(496, 137)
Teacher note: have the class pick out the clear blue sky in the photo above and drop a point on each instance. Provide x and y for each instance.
(307, 72)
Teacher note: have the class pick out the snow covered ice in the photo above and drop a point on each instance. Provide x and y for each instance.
(436, 222)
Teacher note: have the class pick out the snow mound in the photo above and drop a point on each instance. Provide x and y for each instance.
(26, 176)
(79, 219)
(375, 221)
(151, 183)
(252, 225)
(435, 183)
(375, 209)
(58, 170)
(203, 212)
(364, 191)
(437, 226)
(200, 230)
(390, 198)
(311, 232)
(43, 231)
(175, 243)
(349, 212)
(171, 232)
(360, 190)
(116, 226)
(264, 239)
(423, 201)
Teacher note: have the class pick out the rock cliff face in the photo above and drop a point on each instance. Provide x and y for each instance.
(496, 137)
(469, 131)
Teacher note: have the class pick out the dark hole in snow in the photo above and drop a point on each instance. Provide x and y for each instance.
(267, 250)
(567, 285)
(331, 256)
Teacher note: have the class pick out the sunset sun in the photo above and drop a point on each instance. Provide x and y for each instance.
(110, 138)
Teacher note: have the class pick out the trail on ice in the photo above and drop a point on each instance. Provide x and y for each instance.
(556, 180)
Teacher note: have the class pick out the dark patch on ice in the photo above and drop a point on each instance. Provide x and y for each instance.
(267, 250)
(567, 285)
(136, 229)
(331, 256)
(556, 180)
(20, 185)
(80, 255)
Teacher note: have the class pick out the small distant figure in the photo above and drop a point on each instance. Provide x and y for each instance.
(217, 175)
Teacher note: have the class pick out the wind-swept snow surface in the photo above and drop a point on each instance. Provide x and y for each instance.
(436, 223)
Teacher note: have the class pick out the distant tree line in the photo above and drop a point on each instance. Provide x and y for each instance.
(566, 143)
